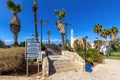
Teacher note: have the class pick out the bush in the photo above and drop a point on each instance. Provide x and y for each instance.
(91, 56)
(12, 59)
(22, 44)
(98, 58)
(2, 44)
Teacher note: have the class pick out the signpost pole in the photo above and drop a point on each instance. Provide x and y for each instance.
(38, 65)
(27, 68)
(32, 51)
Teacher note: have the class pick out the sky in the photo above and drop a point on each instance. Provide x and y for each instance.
(81, 14)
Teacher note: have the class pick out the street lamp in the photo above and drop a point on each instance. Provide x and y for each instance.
(66, 25)
(41, 23)
(84, 39)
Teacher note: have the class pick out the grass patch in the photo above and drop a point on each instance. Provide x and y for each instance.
(113, 57)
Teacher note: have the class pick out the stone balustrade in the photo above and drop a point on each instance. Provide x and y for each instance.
(75, 57)
(45, 64)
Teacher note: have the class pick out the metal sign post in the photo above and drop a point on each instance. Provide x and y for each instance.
(32, 51)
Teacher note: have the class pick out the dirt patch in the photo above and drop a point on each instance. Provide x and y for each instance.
(32, 71)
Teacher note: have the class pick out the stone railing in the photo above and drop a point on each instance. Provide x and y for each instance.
(75, 57)
(45, 64)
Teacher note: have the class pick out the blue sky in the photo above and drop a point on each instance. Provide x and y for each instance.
(81, 14)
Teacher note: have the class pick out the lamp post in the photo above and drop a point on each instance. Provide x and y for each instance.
(66, 25)
(41, 23)
(85, 46)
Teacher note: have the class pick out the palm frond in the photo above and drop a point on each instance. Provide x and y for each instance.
(57, 12)
(18, 8)
(11, 5)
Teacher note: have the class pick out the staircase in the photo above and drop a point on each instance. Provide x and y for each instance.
(59, 63)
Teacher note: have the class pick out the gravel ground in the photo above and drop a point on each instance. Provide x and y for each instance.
(108, 70)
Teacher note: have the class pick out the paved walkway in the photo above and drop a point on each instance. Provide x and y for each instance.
(109, 70)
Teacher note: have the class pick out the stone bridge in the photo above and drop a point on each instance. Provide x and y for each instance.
(53, 62)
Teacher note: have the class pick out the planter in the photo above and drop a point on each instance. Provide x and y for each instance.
(88, 67)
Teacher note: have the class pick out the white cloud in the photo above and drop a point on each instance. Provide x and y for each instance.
(53, 40)
(9, 41)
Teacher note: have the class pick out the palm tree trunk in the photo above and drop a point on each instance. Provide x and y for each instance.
(48, 39)
(35, 25)
(15, 39)
(62, 41)
(98, 36)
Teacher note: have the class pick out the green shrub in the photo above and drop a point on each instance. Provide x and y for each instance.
(97, 58)
(91, 56)
(12, 59)
(22, 44)
(2, 44)
(31, 61)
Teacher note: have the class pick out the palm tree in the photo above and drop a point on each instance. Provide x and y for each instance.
(14, 21)
(105, 33)
(34, 7)
(60, 14)
(97, 44)
(98, 29)
(113, 32)
(48, 32)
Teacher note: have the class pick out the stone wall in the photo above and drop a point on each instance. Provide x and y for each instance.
(45, 64)
(75, 57)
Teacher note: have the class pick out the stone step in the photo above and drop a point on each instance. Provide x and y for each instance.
(61, 70)
(64, 60)
(60, 64)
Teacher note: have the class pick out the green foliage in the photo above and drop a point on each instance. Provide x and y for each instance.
(105, 33)
(91, 56)
(61, 14)
(43, 46)
(113, 57)
(113, 32)
(31, 61)
(98, 57)
(56, 23)
(13, 6)
(98, 28)
(22, 44)
(115, 45)
(98, 43)
(2, 44)
(77, 46)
